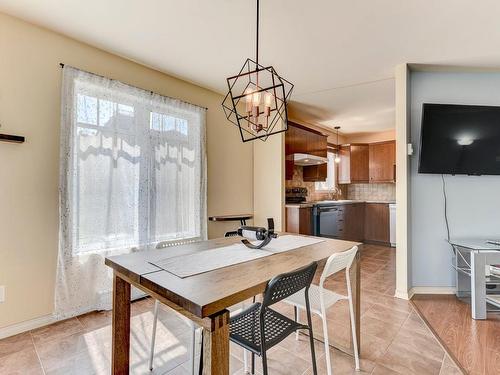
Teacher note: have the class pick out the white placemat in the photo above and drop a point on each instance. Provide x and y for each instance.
(208, 260)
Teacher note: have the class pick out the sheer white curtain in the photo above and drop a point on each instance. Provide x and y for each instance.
(132, 175)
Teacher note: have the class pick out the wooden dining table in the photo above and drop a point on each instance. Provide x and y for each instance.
(206, 297)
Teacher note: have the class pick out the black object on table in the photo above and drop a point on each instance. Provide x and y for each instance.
(242, 218)
(257, 234)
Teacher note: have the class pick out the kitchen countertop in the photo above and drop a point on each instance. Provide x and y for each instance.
(299, 205)
(338, 202)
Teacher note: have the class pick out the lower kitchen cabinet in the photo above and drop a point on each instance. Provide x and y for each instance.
(363, 222)
(377, 223)
(299, 220)
(354, 222)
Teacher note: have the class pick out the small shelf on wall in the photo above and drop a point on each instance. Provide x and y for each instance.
(11, 138)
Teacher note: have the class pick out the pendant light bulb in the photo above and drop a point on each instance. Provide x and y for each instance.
(248, 99)
(268, 99)
(256, 99)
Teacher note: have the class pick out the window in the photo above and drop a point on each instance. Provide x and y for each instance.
(330, 182)
(132, 176)
(135, 169)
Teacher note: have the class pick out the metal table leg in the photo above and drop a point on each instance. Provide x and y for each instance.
(463, 281)
(478, 285)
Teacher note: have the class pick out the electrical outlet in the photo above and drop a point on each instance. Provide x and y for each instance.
(2, 293)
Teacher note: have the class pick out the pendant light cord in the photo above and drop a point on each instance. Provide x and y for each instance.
(257, 43)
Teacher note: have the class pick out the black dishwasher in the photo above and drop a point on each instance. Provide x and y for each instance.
(328, 220)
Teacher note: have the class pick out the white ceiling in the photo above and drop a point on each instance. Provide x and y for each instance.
(339, 54)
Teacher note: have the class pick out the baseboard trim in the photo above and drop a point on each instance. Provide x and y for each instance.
(45, 320)
(402, 295)
(432, 290)
(27, 325)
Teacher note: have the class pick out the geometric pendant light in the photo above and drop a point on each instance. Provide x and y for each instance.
(257, 99)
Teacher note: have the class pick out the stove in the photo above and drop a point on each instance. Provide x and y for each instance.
(296, 195)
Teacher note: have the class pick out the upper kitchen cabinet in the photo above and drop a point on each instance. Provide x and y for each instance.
(315, 173)
(299, 139)
(382, 162)
(354, 162)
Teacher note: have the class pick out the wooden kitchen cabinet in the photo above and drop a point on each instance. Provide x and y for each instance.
(289, 169)
(344, 167)
(354, 163)
(299, 220)
(377, 223)
(299, 139)
(350, 221)
(315, 173)
(382, 162)
(354, 222)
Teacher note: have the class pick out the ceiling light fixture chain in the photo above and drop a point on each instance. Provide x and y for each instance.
(257, 37)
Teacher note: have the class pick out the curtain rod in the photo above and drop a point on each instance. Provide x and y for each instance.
(152, 92)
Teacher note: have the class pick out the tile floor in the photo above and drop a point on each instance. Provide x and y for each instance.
(394, 340)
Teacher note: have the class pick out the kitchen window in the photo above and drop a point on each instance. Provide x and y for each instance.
(330, 182)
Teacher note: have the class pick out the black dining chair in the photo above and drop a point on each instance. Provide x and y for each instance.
(258, 328)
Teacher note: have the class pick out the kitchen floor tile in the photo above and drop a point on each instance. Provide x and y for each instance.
(391, 334)
(15, 344)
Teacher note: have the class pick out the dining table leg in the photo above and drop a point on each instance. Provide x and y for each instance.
(216, 345)
(120, 357)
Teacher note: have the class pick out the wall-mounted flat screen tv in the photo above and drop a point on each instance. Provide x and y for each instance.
(460, 139)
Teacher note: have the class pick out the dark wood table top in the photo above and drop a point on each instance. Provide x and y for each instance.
(231, 217)
(210, 292)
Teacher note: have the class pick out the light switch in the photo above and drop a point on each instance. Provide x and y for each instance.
(2, 294)
(410, 149)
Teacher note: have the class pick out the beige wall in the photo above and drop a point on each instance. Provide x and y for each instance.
(269, 181)
(30, 81)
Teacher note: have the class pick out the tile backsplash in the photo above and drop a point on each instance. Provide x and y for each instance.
(383, 192)
(379, 192)
(312, 194)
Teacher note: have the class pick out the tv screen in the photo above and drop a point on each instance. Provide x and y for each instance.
(460, 139)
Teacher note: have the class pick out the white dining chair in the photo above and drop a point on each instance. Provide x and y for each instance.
(193, 327)
(321, 299)
(192, 344)
(194, 333)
